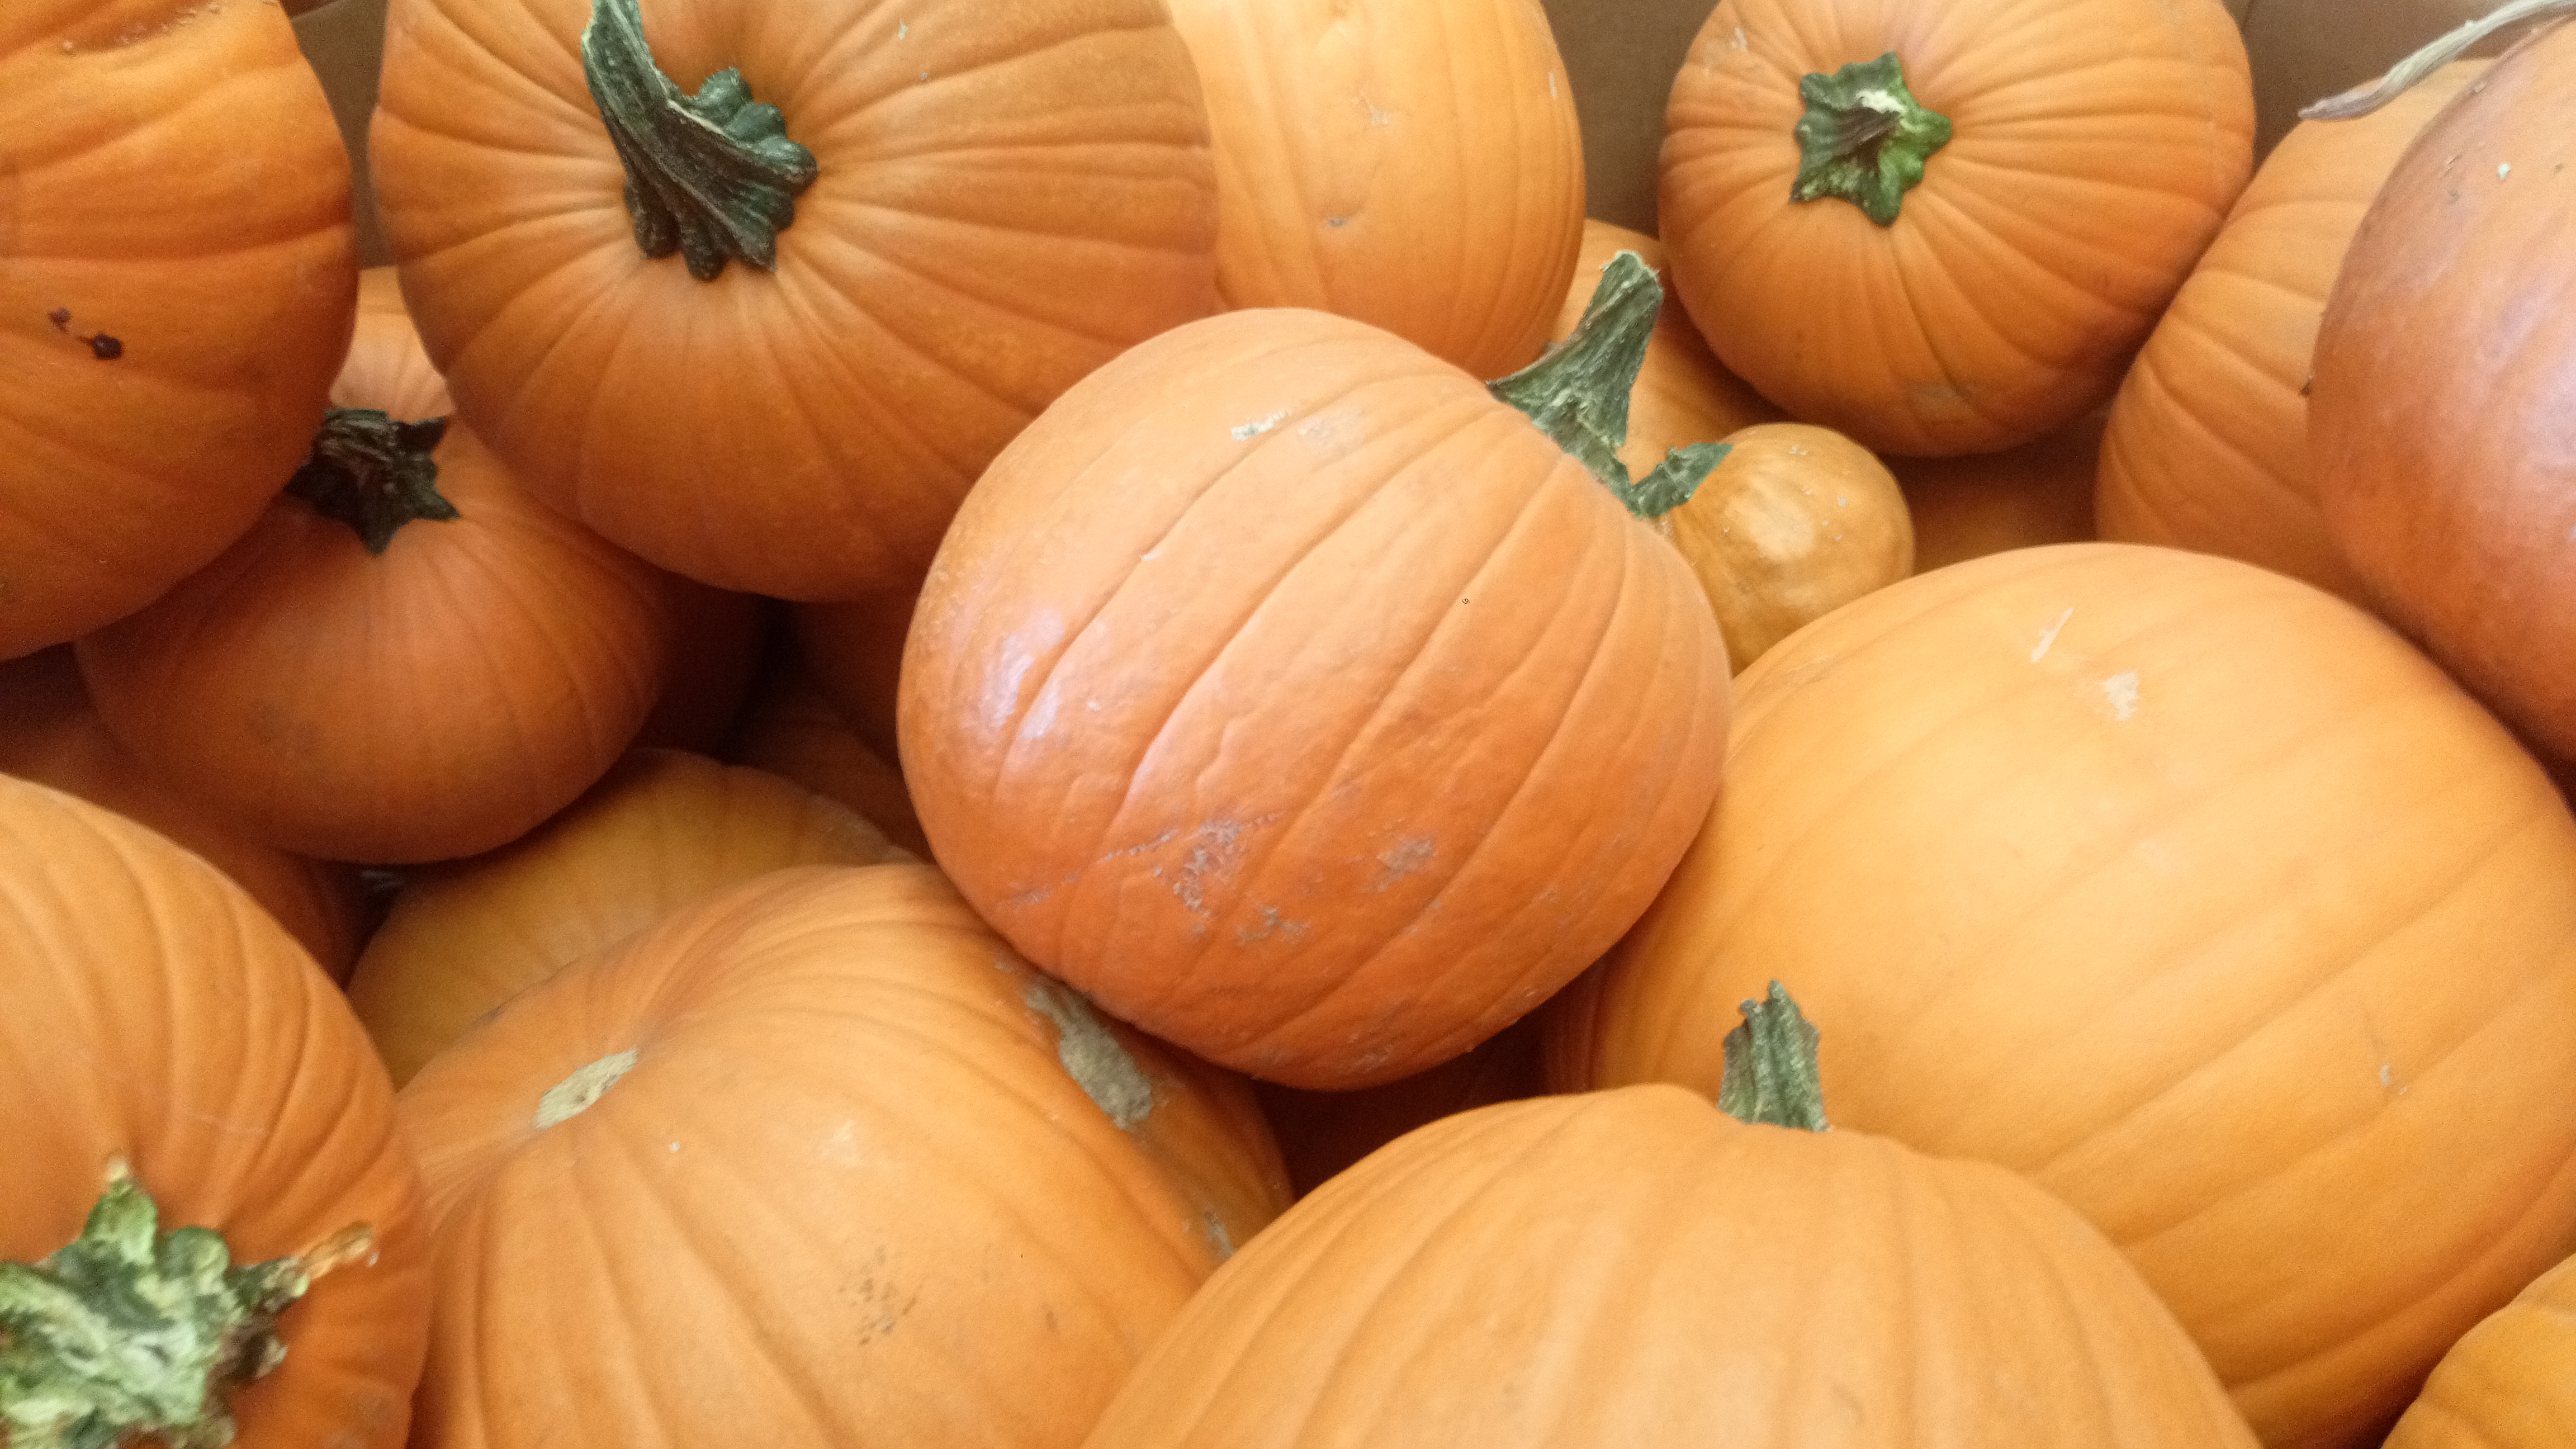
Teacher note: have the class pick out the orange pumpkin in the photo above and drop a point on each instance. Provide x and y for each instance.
(1291, 694)
(789, 728)
(2506, 1384)
(184, 1094)
(1414, 164)
(660, 830)
(2189, 890)
(941, 217)
(852, 650)
(174, 295)
(822, 1131)
(407, 658)
(1942, 226)
(1981, 503)
(2443, 419)
(1321, 1133)
(2208, 440)
(1638, 1268)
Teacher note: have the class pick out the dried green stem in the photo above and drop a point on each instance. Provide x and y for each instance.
(373, 473)
(2369, 96)
(1864, 138)
(1771, 1073)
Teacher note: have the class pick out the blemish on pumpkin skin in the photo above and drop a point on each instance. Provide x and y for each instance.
(2121, 690)
(1091, 1054)
(1245, 432)
(582, 1090)
(1272, 924)
(2048, 636)
(1400, 860)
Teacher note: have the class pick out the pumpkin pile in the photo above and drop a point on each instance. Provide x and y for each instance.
(1077, 726)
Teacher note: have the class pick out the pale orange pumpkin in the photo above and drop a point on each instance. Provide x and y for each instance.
(2038, 493)
(2507, 1384)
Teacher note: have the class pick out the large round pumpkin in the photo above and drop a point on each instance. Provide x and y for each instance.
(2207, 446)
(948, 213)
(2189, 890)
(177, 273)
(2443, 420)
(163, 1037)
(2509, 1383)
(1942, 226)
(1304, 703)
(817, 1160)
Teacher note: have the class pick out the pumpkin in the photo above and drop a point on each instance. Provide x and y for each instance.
(1321, 1133)
(176, 281)
(1288, 692)
(2505, 1384)
(789, 728)
(1414, 164)
(212, 1233)
(663, 828)
(841, 1169)
(852, 650)
(1981, 503)
(936, 221)
(1642, 1267)
(2443, 419)
(50, 735)
(2189, 890)
(407, 658)
(1683, 394)
(2207, 446)
(1942, 226)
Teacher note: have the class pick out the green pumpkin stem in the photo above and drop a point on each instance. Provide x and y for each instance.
(1864, 137)
(1771, 1074)
(1578, 391)
(2370, 95)
(372, 473)
(711, 176)
(129, 1334)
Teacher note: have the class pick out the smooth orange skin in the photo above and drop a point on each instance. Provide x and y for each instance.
(175, 182)
(2507, 1384)
(661, 829)
(2443, 420)
(1414, 164)
(2207, 446)
(157, 1014)
(1007, 195)
(2186, 888)
(1304, 704)
(434, 701)
(848, 1193)
(50, 735)
(2096, 146)
(1634, 1268)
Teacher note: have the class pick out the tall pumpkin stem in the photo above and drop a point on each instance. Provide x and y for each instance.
(2369, 96)
(1771, 1074)
(1578, 392)
(1864, 138)
(711, 176)
(129, 1333)
(372, 473)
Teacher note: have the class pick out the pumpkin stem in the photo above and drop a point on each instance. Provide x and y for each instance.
(1578, 391)
(711, 176)
(1864, 137)
(2369, 96)
(373, 473)
(1770, 1073)
(129, 1333)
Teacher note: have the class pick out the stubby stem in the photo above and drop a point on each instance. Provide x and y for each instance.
(2369, 96)
(372, 473)
(1864, 137)
(1578, 391)
(129, 1334)
(1771, 1074)
(711, 176)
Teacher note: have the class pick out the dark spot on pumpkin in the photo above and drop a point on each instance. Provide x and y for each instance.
(61, 317)
(106, 348)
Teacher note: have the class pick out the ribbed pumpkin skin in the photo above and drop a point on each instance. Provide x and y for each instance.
(1303, 704)
(2189, 890)
(1634, 1268)
(2208, 440)
(157, 1014)
(789, 727)
(2444, 414)
(2506, 1384)
(2096, 145)
(849, 1192)
(1007, 195)
(1414, 164)
(661, 829)
(175, 183)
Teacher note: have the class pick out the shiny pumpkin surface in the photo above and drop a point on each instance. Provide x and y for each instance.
(2188, 890)
(1004, 196)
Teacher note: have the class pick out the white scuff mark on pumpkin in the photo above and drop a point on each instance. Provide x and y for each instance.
(1337, 221)
(2122, 691)
(1402, 859)
(1376, 116)
(1091, 1054)
(925, 75)
(840, 1146)
(902, 28)
(1214, 853)
(1738, 40)
(2048, 636)
(1217, 1235)
(1244, 432)
(1271, 924)
(577, 1093)
(2504, 170)
(1551, 85)
(675, 1147)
